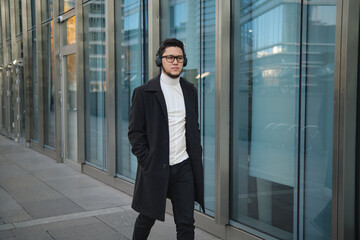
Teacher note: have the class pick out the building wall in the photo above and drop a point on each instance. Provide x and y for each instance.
(272, 85)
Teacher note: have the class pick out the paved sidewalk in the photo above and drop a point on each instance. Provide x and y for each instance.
(41, 199)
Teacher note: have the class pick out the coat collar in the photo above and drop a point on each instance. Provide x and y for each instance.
(154, 86)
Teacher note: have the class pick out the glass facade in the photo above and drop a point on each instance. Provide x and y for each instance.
(193, 22)
(282, 105)
(95, 83)
(131, 62)
(49, 88)
(280, 96)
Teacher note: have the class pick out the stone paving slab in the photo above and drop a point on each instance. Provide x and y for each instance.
(52, 207)
(27, 188)
(6, 235)
(17, 215)
(55, 173)
(82, 230)
(31, 233)
(99, 197)
(41, 199)
(11, 170)
(73, 183)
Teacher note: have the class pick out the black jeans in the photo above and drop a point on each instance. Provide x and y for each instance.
(181, 193)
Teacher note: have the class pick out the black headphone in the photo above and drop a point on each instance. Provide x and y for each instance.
(158, 60)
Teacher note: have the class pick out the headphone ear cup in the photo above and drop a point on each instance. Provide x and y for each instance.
(185, 62)
(158, 61)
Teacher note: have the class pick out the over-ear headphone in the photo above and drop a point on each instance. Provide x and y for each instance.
(158, 60)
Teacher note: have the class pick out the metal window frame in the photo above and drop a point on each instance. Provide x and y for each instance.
(110, 86)
(80, 82)
(345, 104)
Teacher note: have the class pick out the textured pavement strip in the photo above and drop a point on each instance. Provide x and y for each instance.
(66, 217)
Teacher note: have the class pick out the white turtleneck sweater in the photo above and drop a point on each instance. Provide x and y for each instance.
(176, 111)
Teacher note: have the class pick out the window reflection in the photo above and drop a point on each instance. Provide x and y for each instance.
(131, 62)
(282, 118)
(319, 53)
(69, 31)
(49, 88)
(95, 82)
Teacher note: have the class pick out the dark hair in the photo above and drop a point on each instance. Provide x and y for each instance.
(170, 42)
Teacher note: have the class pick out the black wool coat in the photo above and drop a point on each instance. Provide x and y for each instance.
(149, 137)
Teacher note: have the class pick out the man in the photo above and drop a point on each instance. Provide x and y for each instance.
(165, 137)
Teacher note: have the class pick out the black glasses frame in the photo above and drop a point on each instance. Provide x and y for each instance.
(171, 58)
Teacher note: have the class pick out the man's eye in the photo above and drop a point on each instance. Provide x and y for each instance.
(170, 57)
(180, 57)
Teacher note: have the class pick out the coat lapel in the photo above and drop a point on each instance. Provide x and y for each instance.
(154, 86)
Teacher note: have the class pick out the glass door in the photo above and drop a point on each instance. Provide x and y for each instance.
(68, 105)
(11, 100)
(68, 87)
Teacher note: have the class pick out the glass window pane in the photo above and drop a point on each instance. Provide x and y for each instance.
(95, 83)
(131, 61)
(46, 9)
(69, 31)
(33, 75)
(282, 118)
(70, 103)
(66, 5)
(318, 77)
(7, 20)
(265, 116)
(18, 17)
(49, 88)
(1, 32)
(193, 22)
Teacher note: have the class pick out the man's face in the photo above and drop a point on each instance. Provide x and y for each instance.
(174, 68)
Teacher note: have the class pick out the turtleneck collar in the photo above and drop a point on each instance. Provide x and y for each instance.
(168, 80)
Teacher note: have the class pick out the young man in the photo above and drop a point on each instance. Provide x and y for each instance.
(165, 137)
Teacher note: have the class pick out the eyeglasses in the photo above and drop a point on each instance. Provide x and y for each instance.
(171, 58)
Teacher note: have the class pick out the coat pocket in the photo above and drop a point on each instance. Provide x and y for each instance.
(143, 159)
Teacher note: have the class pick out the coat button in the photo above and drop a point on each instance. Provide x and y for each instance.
(164, 165)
